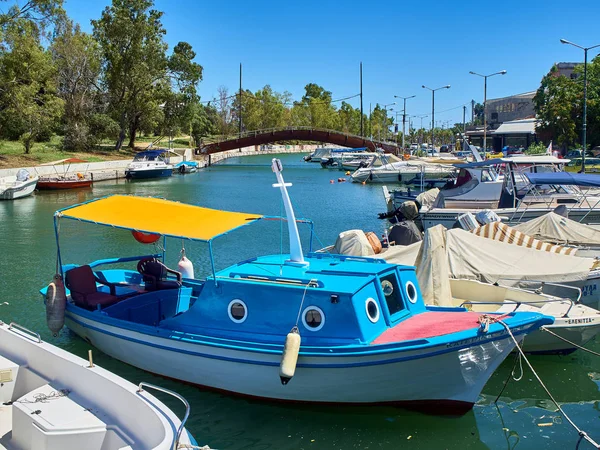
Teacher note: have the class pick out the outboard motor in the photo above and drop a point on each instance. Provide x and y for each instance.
(404, 233)
(408, 210)
(561, 210)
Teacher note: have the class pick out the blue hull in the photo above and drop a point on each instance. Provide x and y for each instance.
(145, 174)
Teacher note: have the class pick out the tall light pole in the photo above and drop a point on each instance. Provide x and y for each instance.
(404, 115)
(433, 108)
(485, 77)
(584, 130)
(385, 116)
(421, 128)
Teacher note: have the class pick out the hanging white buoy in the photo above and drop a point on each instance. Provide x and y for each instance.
(289, 358)
(185, 266)
(56, 301)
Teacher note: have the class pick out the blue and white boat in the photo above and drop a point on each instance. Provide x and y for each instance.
(186, 167)
(149, 164)
(360, 332)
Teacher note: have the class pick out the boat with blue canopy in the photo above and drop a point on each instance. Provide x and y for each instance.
(149, 164)
(318, 327)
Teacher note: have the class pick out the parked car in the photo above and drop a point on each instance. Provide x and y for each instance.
(445, 148)
(577, 154)
(592, 165)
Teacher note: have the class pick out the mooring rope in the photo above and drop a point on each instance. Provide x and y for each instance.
(44, 398)
(582, 434)
(569, 342)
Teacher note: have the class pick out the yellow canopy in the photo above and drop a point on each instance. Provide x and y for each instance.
(154, 215)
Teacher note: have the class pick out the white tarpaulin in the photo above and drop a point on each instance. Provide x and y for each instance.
(477, 258)
(555, 228)
(432, 268)
(405, 255)
(353, 243)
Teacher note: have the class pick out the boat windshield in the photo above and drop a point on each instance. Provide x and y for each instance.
(149, 156)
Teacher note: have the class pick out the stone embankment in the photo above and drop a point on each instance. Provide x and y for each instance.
(111, 170)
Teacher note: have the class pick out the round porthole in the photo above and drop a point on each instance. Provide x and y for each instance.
(313, 318)
(411, 292)
(237, 310)
(372, 310)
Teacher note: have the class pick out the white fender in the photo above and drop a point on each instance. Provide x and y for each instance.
(289, 358)
(56, 301)
(186, 267)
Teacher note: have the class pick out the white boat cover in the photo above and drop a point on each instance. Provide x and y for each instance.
(353, 243)
(405, 255)
(553, 227)
(433, 270)
(499, 231)
(477, 258)
(489, 261)
(427, 198)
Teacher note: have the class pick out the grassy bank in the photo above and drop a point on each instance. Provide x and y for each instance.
(12, 153)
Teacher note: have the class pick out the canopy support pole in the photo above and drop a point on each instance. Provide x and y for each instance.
(58, 257)
(212, 262)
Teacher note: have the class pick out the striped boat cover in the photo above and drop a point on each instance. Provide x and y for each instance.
(499, 231)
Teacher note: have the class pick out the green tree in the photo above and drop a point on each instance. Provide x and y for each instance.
(558, 105)
(349, 119)
(130, 35)
(380, 123)
(76, 56)
(181, 99)
(205, 122)
(28, 91)
(320, 111)
(39, 12)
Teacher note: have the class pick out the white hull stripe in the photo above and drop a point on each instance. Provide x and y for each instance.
(276, 363)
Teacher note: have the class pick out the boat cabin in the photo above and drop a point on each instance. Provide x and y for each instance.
(332, 299)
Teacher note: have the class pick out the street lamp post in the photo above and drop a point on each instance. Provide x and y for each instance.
(485, 77)
(421, 128)
(433, 108)
(584, 128)
(404, 115)
(385, 116)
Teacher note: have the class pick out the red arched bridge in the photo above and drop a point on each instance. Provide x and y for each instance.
(261, 137)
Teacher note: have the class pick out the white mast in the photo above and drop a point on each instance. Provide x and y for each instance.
(295, 245)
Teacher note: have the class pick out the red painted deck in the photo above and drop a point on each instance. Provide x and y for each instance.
(429, 324)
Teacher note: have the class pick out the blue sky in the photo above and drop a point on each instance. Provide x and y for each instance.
(402, 45)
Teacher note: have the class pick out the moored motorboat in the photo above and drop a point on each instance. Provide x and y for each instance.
(64, 180)
(149, 164)
(59, 183)
(17, 186)
(51, 399)
(358, 325)
(387, 168)
(186, 167)
(574, 324)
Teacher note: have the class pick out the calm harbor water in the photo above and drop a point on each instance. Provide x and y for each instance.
(524, 418)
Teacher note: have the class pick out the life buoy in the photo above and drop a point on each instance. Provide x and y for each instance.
(145, 238)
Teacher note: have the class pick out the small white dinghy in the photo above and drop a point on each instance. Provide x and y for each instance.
(573, 321)
(16, 186)
(51, 399)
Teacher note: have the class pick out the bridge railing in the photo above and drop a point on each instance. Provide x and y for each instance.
(216, 139)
